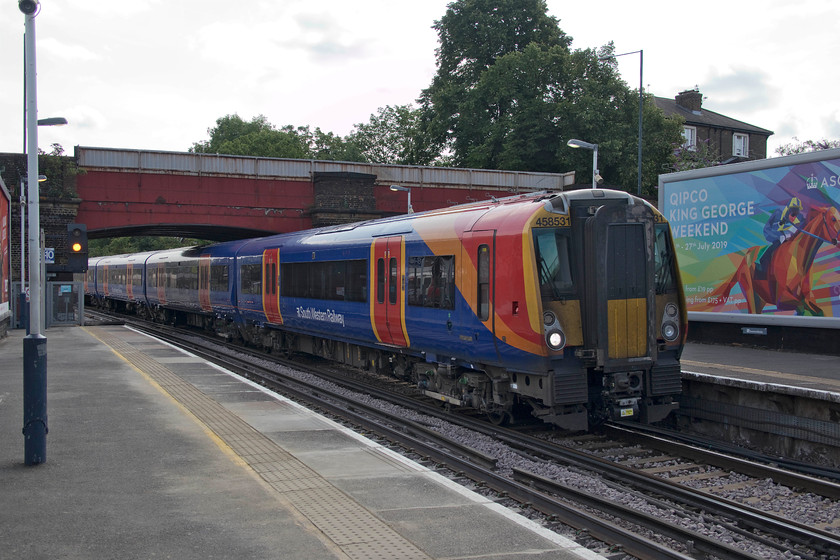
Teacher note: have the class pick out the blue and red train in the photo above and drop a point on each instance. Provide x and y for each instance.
(567, 305)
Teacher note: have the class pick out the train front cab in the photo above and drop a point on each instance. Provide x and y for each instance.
(613, 315)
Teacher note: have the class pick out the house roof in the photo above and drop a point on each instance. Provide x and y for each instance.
(704, 117)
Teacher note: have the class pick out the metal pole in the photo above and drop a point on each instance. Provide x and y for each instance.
(410, 209)
(22, 308)
(43, 242)
(35, 343)
(641, 106)
(594, 166)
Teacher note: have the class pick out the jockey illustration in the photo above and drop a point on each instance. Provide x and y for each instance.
(783, 223)
(781, 226)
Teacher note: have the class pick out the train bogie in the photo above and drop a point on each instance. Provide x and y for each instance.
(567, 305)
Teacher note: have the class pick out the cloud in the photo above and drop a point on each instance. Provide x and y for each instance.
(52, 47)
(831, 125)
(740, 90)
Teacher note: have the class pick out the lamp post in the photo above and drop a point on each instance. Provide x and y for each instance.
(35, 343)
(404, 189)
(594, 147)
(23, 307)
(641, 54)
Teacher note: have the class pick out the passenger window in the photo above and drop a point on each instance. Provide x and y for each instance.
(483, 282)
(431, 281)
(380, 281)
(392, 282)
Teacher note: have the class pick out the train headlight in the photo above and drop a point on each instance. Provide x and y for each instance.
(555, 339)
(549, 318)
(671, 310)
(670, 331)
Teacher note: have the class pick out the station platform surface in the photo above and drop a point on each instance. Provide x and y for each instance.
(153, 453)
(780, 371)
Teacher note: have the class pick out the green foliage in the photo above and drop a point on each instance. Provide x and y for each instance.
(61, 172)
(394, 135)
(123, 245)
(473, 34)
(704, 155)
(509, 94)
(259, 138)
(806, 146)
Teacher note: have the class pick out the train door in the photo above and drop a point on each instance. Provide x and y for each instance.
(204, 282)
(619, 301)
(480, 250)
(161, 282)
(129, 287)
(271, 286)
(387, 289)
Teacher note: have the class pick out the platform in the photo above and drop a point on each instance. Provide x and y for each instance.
(154, 453)
(779, 371)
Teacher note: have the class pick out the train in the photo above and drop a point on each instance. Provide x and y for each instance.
(563, 306)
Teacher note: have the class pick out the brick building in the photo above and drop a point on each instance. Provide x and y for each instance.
(730, 139)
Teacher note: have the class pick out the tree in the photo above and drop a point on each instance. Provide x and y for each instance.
(509, 94)
(61, 172)
(259, 138)
(703, 155)
(137, 244)
(234, 136)
(473, 34)
(329, 146)
(395, 135)
(806, 146)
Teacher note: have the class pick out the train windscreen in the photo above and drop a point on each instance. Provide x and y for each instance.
(551, 246)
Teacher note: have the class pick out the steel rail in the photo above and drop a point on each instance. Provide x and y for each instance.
(728, 456)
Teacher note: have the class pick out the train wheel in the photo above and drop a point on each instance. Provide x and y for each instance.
(499, 417)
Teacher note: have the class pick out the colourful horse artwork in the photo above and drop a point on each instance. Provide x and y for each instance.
(782, 276)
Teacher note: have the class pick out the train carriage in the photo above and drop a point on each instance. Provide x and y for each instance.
(567, 305)
(194, 285)
(90, 279)
(117, 281)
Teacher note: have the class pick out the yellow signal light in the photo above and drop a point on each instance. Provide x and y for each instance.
(77, 247)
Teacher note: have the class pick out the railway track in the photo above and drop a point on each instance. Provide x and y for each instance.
(690, 522)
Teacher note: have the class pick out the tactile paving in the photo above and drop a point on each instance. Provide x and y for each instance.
(353, 528)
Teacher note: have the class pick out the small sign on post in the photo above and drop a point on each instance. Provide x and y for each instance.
(49, 255)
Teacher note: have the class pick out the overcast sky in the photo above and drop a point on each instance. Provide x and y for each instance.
(155, 74)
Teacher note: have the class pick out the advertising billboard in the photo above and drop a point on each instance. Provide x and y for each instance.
(757, 241)
(5, 252)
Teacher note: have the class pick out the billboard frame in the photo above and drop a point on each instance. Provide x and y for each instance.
(668, 187)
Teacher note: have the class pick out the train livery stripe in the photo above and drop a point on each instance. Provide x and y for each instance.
(372, 291)
(513, 243)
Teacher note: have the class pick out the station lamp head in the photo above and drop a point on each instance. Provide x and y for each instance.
(28, 7)
(574, 143)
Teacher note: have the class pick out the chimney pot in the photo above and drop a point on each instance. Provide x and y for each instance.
(690, 99)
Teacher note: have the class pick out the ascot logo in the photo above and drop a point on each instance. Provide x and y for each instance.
(813, 182)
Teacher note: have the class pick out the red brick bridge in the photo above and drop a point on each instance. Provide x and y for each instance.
(220, 197)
